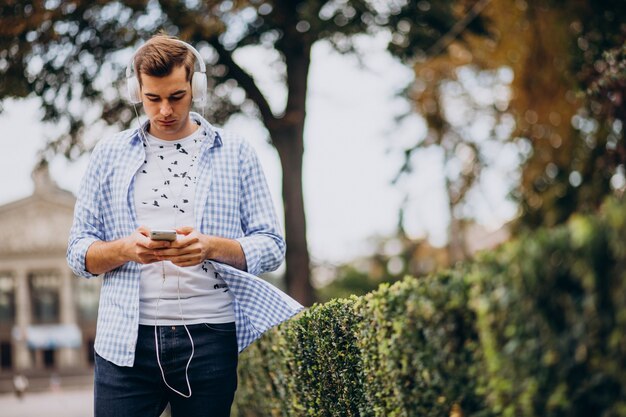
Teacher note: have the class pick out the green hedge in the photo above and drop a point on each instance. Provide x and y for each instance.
(309, 366)
(551, 313)
(535, 328)
(419, 348)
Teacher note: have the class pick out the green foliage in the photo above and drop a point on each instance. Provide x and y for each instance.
(536, 328)
(266, 384)
(419, 348)
(309, 366)
(550, 310)
(328, 360)
(404, 350)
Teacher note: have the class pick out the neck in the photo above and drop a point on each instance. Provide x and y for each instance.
(190, 127)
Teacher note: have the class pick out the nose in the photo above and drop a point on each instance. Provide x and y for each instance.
(166, 109)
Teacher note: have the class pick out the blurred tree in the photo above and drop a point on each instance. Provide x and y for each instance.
(609, 85)
(571, 144)
(66, 51)
(463, 101)
(607, 93)
(463, 107)
(576, 149)
(394, 257)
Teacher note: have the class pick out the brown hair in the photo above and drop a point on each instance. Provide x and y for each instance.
(160, 55)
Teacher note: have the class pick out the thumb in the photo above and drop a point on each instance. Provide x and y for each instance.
(185, 230)
(143, 230)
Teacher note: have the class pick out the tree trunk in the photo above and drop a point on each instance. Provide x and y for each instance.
(289, 144)
(288, 138)
(456, 231)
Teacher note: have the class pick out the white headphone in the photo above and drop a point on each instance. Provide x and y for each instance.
(198, 79)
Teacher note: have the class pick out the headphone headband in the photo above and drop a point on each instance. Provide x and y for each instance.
(198, 79)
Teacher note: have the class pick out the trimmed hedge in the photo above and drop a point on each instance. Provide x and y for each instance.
(414, 355)
(551, 313)
(328, 383)
(419, 348)
(266, 383)
(535, 328)
(309, 366)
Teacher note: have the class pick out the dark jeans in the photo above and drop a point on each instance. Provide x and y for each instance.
(140, 390)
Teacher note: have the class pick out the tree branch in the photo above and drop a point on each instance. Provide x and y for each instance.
(246, 82)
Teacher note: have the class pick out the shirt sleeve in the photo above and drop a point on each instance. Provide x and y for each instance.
(87, 226)
(262, 243)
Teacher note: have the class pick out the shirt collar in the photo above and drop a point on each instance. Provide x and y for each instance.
(213, 138)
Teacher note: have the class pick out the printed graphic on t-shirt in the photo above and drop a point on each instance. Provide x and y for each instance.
(176, 176)
(217, 276)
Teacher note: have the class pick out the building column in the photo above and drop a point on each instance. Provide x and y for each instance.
(68, 357)
(23, 318)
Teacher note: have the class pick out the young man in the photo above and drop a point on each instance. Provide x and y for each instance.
(174, 315)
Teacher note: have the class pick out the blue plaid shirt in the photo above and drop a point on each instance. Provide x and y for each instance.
(232, 200)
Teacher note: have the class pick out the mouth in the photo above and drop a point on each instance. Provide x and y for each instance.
(166, 122)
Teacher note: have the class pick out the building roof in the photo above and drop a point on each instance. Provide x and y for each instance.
(38, 224)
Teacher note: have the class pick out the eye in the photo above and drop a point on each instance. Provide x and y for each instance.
(176, 98)
(153, 99)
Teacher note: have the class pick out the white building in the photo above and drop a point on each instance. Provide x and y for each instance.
(47, 314)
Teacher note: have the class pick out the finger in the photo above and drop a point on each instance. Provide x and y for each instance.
(143, 230)
(143, 241)
(166, 253)
(184, 230)
(184, 257)
(158, 244)
(175, 252)
(148, 259)
(185, 241)
(186, 262)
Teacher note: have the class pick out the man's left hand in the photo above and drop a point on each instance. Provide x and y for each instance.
(192, 248)
(189, 250)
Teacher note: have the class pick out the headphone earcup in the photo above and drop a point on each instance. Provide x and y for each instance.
(199, 87)
(134, 91)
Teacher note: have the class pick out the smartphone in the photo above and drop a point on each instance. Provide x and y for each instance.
(169, 235)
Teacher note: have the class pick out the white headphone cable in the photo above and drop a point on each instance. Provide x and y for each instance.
(180, 307)
(156, 344)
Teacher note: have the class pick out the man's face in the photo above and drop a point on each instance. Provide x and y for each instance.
(167, 101)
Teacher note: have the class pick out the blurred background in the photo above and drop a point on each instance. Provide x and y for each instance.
(398, 137)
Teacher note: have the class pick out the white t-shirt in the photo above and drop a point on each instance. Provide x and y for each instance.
(165, 187)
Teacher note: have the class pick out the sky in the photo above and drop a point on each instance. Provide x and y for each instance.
(351, 154)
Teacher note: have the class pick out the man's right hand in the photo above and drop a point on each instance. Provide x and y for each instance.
(141, 248)
(137, 247)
